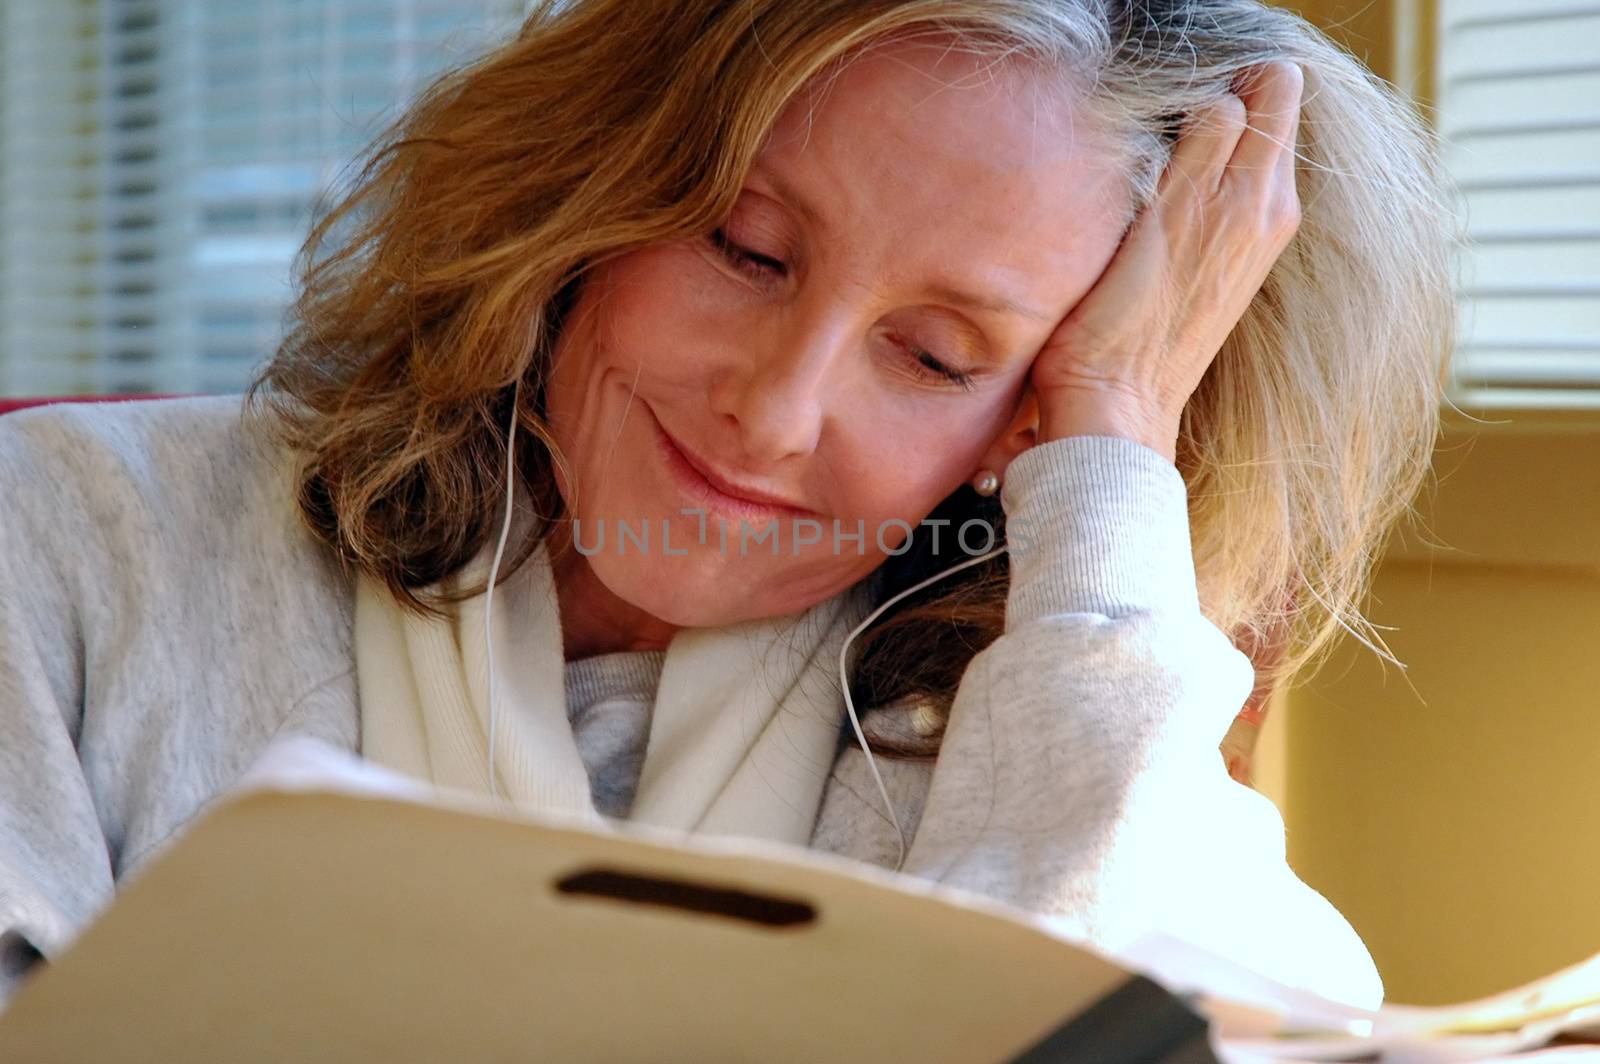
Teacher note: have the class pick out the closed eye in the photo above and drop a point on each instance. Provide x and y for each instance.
(765, 268)
(759, 266)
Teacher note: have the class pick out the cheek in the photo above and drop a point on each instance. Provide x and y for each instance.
(635, 335)
(659, 311)
(627, 311)
(629, 303)
(905, 471)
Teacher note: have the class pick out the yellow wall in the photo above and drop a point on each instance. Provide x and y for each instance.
(1446, 809)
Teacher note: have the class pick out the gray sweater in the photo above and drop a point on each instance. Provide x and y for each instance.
(609, 701)
(164, 615)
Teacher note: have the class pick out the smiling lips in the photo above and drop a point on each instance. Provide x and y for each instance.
(716, 492)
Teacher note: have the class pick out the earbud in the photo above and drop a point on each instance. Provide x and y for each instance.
(849, 704)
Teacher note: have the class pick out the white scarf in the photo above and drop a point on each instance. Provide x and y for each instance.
(743, 732)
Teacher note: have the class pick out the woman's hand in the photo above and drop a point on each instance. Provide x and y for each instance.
(1129, 355)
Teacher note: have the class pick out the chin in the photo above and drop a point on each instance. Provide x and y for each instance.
(684, 591)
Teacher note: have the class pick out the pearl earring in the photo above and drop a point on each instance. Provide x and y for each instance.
(986, 482)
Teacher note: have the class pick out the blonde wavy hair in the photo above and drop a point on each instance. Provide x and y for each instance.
(443, 273)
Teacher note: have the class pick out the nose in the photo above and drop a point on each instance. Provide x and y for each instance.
(777, 391)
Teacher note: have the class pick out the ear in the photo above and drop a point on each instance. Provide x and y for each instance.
(1017, 437)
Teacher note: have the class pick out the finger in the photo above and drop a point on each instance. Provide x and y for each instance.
(1291, 142)
(1266, 146)
(1209, 139)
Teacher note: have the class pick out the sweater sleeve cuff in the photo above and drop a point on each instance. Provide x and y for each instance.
(1096, 524)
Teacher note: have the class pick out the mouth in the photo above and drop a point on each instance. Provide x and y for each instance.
(705, 488)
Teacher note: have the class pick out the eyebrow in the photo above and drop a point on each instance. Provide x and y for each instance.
(994, 304)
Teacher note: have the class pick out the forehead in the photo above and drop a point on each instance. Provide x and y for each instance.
(951, 159)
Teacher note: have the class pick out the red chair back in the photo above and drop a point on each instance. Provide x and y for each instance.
(8, 405)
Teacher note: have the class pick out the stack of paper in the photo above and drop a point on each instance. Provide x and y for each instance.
(1553, 1018)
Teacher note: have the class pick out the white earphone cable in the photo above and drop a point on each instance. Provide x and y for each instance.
(849, 704)
(494, 571)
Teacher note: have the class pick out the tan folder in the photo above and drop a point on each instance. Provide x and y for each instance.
(297, 920)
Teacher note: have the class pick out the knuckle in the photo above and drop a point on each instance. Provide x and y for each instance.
(1285, 212)
(1221, 115)
(1231, 109)
(1272, 214)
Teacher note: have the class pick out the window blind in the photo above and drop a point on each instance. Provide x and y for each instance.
(159, 163)
(1519, 108)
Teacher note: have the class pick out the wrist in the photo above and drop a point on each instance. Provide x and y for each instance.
(1097, 524)
(1104, 414)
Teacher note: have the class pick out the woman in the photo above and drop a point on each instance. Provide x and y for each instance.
(1154, 293)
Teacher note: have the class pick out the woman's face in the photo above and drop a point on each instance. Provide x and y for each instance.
(855, 340)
